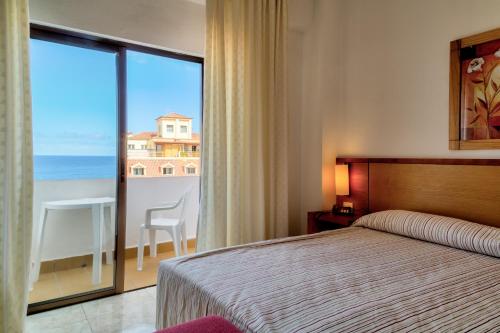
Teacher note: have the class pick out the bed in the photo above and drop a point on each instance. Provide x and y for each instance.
(393, 270)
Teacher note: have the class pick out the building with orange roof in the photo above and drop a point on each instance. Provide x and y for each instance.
(173, 150)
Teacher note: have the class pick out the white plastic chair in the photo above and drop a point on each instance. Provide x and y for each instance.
(174, 226)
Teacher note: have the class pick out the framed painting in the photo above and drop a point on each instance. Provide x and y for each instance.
(475, 92)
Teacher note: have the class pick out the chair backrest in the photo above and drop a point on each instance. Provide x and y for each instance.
(186, 200)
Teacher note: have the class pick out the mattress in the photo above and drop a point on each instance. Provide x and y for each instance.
(375, 276)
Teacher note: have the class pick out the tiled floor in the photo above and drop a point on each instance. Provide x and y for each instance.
(131, 312)
(68, 282)
(147, 277)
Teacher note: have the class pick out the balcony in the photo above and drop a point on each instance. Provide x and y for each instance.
(68, 235)
(188, 154)
(151, 153)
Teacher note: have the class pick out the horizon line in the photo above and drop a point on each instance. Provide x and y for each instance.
(75, 155)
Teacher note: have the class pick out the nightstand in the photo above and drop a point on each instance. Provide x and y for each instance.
(326, 220)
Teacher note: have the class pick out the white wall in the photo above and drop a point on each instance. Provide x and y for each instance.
(374, 82)
(396, 59)
(176, 124)
(315, 93)
(69, 233)
(171, 24)
(295, 98)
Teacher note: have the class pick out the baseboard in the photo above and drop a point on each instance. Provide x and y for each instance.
(131, 252)
(63, 264)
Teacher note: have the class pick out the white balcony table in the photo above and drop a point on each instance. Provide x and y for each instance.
(97, 205)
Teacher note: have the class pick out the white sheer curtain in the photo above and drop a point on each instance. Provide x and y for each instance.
(15, 164)
(244, 195)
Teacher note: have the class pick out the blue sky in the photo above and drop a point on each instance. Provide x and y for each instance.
(158, 85)
(74, 96)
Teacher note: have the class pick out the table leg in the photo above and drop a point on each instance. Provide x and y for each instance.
(35, 273)
(110, 235)
(97, 223)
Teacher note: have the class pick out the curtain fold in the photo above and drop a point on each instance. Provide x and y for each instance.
(16, 167)
(244, 194)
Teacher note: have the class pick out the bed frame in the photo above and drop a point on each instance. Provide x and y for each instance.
(463, 188)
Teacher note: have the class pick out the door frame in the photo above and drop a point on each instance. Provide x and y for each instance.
(120, 48)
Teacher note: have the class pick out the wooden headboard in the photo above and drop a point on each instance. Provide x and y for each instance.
(463, 188)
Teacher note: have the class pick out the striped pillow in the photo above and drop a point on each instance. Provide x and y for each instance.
(443, 230)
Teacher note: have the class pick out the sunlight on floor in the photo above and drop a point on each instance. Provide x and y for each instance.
(79, 280)
(68, 282)
(147, 277)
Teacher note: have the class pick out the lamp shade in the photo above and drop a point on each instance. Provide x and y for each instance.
(342, 179)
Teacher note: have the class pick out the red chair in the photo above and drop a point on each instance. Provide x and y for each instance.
(210, 324)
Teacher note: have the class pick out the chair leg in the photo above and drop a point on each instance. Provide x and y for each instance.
(184, 239)
(140, 249)
(152, 243)
(176, 235)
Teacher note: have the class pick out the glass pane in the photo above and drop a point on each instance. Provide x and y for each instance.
(164, 124)
(74, 137)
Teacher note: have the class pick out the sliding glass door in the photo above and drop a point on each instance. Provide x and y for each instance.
(81, 242)
(75, 131)
(164, 97)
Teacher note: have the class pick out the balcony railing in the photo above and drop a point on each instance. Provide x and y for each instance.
(69, 233)
(156, 154)
(188, 154)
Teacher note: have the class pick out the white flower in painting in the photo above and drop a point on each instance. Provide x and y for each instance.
(497, 53)
(475, 65)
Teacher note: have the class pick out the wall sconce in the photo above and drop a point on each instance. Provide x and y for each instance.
(342, 179)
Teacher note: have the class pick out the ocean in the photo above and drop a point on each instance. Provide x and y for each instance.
(74, 167)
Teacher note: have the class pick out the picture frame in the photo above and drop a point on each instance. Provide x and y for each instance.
(474, 100)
